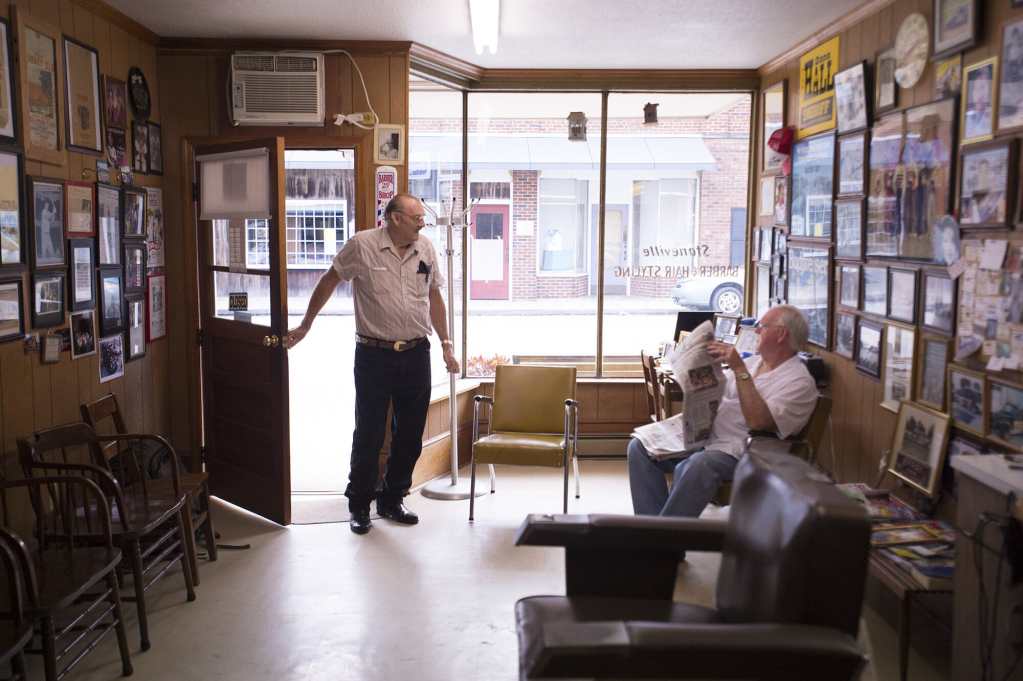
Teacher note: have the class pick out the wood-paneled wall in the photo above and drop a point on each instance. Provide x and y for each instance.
(861, 429)
(34, 395)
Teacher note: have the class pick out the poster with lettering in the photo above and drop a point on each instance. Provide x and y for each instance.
(42, 90)
(386, 187)
(154, 227)
(817, 89)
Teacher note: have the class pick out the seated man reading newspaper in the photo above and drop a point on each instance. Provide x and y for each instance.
(771, 391)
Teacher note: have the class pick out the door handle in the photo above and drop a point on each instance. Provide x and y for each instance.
(271, 341)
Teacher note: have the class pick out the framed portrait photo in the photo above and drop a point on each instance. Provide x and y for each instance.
(899, 350)
(851, 100)
(140, 147)
(135, 331)
(919, 445)
(934, 352)
(111, 358)
(40, 87)
(945, 241)
(845, 334)
(46, 208)
(115, 103)
(12, 310)
(988, 184)
(82, 114)
(813, 176)
(389, 145)
(83, 334)
(928, 155)
(955, 26)
(134, 266)
(781, 201)
(8, 113)
(849, 221)
(155, 149)
(948, 77)
(1010, 82)
(938, 309)
(117, 147)
(774, 118)
(978, 101)
(849, 286)
(875, 290)
(47, 299)
(80, 203)
(885, 90)
(1005, 425)
(809, 289)
(852, 166)
(133, 218)
(902, 294)
(108, 224)
(81, 291)
(156, 306)
(967, 398)
(12, 240)
(111, 299)
(869, 336)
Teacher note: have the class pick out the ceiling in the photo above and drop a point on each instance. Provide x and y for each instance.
(590, 34)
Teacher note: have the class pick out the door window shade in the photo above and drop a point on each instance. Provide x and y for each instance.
(234, 185)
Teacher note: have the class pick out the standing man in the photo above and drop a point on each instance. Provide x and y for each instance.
(396, 282)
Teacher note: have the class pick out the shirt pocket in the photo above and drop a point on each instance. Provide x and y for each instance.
(378, 279)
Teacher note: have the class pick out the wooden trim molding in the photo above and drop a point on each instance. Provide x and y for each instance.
(443, 67)
(619, 79)
(221, 46)
(834, 28)
(105, 11)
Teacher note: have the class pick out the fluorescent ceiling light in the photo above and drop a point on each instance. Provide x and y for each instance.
(485, 16)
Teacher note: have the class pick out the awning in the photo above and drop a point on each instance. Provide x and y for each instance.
(512, 152)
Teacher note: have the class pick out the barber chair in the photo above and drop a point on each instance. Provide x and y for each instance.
(794, 556)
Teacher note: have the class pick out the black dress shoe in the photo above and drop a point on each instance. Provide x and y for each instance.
(398, 513)
(360, 521)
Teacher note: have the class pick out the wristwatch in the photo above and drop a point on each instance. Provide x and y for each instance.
(743, 376)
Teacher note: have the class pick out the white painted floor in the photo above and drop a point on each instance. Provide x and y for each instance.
(432, 602)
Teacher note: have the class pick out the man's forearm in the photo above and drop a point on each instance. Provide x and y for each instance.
(754, 409)
(321, 294)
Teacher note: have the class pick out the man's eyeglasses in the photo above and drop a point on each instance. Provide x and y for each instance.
(414, 216)
(761, 325)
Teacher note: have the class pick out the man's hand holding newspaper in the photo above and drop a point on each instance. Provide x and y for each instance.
(702, 382)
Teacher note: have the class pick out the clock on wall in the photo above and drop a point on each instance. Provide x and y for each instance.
(138, 93)
(912, 45)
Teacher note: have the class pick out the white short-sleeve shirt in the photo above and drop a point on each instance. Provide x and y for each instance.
(789, 392)
(391, 292)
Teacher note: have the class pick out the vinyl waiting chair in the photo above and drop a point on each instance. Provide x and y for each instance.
(534, 421)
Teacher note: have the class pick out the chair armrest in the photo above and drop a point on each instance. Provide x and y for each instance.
(622, 532)
(477, 406)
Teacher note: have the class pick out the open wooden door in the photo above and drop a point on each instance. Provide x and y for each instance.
(243, 316)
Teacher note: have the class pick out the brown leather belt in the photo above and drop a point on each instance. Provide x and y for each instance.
(397, 346)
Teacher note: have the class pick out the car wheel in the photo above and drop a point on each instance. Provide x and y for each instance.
(727, 299)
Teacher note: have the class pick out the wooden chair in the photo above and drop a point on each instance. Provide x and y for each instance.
(148, 527)
(104, 415)
(15, 627)
(653, 393)
(64, 552)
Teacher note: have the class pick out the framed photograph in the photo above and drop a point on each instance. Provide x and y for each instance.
(773, 116)
(766, 197)
(849, 219)
(875, 290)
(809, 289)
(12, 310)
(134, 266)
(111, 292)
(133, 217)
(948, 77)
(1010, 84)
(1005, 423)
(51, 349)
(47, 299)
(156, 307)
(763, 289)
(852, 166)
(885, 91)
(934, 352)
(726, 324)
(389, 145)
(108, 224)
(82, 115)
(766, 243)
(46, 201)
(83, 334)
(115, 103)
(813, 178)
(111, 358)
(154, 228)
(851, 99)
(11, 192)
(117, 147)
(946, 244)
(139, 147)
(960, 444)
(845, 334)
(81, 291)
(868, 347)
(979, 97)
(939, 302)
(80, 201)
(955, 26)
(40, 89)
(8, 117)
(967, 394)
(902, 294)
(781, 201)
(135, 311)
(899, 348)
(849, 286)
(928, 158)
(884, 200)
(918, 449)
(155, 149)
(987, 188)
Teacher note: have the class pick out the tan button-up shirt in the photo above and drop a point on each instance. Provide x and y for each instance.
(391, 292)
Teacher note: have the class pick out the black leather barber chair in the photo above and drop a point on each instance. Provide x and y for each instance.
(789, 590)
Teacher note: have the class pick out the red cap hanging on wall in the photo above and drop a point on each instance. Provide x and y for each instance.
(780, 142)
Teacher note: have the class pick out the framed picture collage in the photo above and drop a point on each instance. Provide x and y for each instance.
(81, 262)
(891, 232)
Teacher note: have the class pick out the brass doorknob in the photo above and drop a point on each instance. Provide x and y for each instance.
(271, 341)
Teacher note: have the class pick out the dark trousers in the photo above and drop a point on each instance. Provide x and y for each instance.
(402, 380)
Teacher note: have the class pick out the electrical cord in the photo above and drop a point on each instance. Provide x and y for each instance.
(365, 92)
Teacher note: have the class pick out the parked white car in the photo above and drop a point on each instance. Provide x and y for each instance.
(719, 293)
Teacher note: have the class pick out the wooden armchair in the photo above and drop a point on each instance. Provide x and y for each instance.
(61, 546)
(147, 526)
(15, 627)
(104, 415)
(653, 392)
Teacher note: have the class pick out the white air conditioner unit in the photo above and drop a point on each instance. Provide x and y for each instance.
(277, 88)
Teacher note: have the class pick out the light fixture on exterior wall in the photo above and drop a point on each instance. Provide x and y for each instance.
(650, 112)
(485, 16)
(577, 126)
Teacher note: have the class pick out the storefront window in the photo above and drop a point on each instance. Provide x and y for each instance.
(563, 225)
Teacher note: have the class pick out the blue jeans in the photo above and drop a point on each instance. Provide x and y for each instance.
(696, 481)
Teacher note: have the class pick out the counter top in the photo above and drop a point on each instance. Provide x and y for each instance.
(992, 470)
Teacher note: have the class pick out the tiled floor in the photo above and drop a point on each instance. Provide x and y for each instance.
(432, 602)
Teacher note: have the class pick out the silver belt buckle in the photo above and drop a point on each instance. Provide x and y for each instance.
(398, 345)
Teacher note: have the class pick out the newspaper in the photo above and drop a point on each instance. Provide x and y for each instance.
(702, 382)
